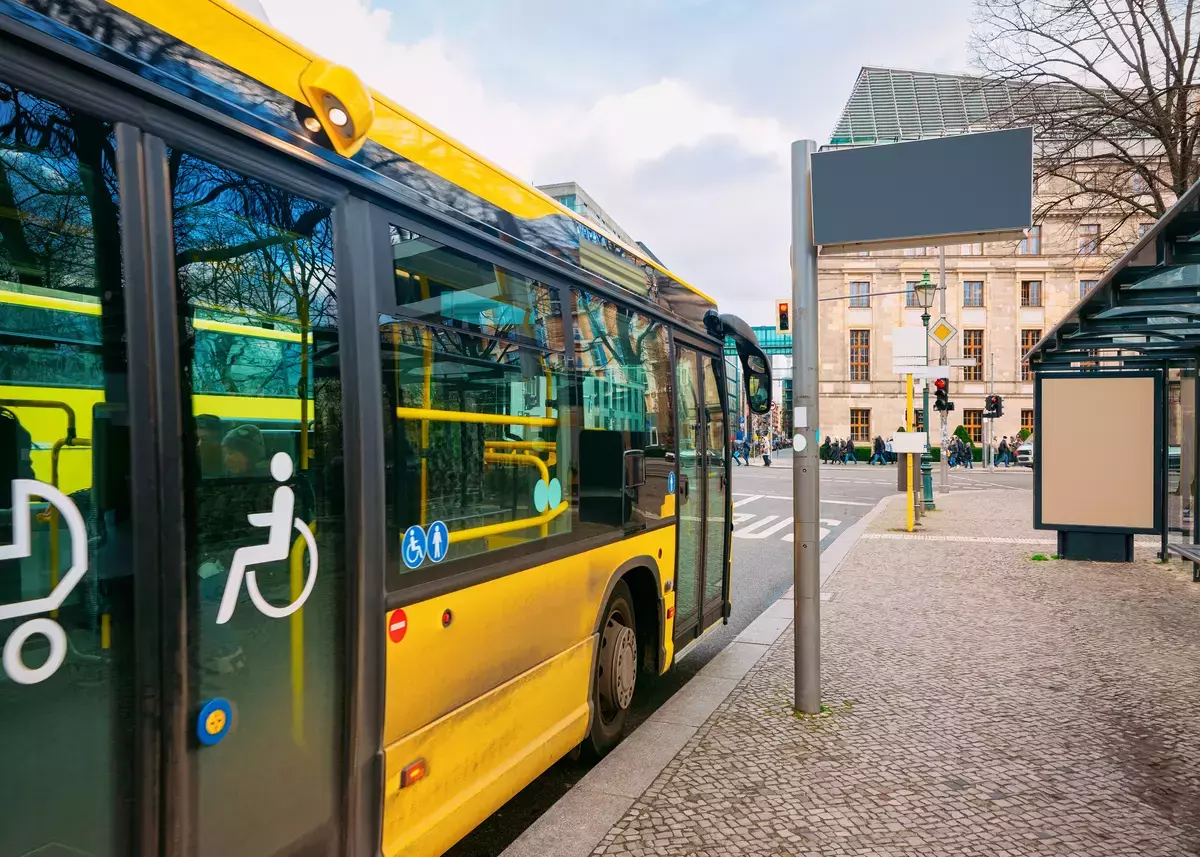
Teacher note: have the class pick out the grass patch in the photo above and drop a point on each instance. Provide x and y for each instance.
(1040, 557)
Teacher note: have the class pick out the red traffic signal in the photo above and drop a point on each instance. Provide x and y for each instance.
(993, 406)
(941, 395)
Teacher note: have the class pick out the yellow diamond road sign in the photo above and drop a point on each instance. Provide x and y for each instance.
(942, 331)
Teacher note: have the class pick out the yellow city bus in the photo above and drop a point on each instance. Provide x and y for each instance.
(346, 481)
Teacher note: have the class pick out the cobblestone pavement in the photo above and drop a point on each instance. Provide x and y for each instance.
(980, 703)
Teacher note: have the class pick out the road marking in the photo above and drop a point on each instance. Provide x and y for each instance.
(824, 531)
(746, 499)
(830, 500)
(756, 531)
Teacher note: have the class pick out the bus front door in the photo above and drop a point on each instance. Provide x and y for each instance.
(699, 577)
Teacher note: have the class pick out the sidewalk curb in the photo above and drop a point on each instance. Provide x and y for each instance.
(579, 820)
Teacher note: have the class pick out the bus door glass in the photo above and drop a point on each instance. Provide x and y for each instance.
(716, 531)
(689, 493)
(67, 707)
(258, 306)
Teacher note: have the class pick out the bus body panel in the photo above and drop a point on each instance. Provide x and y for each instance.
(486, 731)
(483, 753)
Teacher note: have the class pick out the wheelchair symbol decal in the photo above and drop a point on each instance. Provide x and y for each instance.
(279, 523)
(22, 548)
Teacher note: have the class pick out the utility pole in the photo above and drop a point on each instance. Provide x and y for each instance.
(806, 486)
(944, 465)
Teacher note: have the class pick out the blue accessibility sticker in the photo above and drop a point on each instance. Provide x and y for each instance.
(671, 482)
(214, 721)
(412, 548)
(438, 538)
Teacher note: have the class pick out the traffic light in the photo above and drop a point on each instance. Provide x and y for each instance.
(783, 317)
(993, 406)
(941, 395)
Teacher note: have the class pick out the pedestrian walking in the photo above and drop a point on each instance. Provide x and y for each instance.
(889, 450)
(826, 449)
(877, 452)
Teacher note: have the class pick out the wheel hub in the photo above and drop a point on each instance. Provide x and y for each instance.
(618, 665)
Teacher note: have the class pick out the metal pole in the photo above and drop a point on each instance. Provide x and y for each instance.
(908, 426)
(945, 461)
(806, 486)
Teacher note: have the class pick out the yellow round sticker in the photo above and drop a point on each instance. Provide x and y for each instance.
(215, 722)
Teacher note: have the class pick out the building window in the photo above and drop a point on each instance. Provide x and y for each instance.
(1029, 338)
(1031, 292)
(973, 293)
(1139, 184)
(910, 294)
(973, 347)
(975, 249)
(1143, 228)
(916, 251)
(860, 355)
(860, 294)
(973, 423)
(1086, 286)
(1089, 239)
(1031, 244)
(864, 252)
(1027, 419)
(860, 425)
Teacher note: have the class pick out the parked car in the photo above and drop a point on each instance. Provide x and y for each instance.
(1025, 452)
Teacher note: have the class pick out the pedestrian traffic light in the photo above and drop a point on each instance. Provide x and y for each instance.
(783, 317)
(941, 395)
(993, 406)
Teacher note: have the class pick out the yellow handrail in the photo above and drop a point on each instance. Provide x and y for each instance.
(508, 526)
(548, 445)
(52, 513)
(435, 415)
(518, 458)
(45, 403)
(296, 623)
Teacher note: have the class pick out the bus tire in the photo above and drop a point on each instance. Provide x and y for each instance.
(616, 672)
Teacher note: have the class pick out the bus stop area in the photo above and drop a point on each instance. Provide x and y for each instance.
(1115, 438)
(976, 701)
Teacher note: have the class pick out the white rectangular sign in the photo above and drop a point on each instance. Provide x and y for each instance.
(909, 441)
(923, 371)
(908, 345)
(964, 361)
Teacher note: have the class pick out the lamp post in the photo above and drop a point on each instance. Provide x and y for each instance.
(925, 290)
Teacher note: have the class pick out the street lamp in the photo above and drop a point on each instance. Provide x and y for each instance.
(924, 292)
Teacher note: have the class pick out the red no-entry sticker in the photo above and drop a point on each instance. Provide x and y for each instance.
(397, 625)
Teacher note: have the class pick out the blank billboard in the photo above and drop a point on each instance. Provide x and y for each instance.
(1097, 452)
(970, 187)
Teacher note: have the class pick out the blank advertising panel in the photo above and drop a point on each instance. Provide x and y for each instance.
(1097, 454)
(970, 185)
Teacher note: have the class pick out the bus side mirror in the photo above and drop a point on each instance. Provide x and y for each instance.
(758, 384)
(755, 365)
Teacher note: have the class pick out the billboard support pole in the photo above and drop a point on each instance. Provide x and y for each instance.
(944, 459)
(806, 486)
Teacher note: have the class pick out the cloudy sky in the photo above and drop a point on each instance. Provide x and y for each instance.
(675, 115)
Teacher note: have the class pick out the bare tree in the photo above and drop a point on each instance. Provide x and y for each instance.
(1111, 89)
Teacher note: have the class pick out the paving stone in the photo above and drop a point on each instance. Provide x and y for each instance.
(979, 703)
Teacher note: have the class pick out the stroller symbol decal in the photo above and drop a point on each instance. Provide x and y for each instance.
(22, 548)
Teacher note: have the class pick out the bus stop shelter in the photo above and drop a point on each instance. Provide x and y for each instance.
(1115, 437)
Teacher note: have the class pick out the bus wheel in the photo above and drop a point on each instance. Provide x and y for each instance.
(616, 671)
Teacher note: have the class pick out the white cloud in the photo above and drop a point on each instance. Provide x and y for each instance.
(728, 237)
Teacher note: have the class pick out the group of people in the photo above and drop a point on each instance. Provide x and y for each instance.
(1005, 451)
(960, 454)
(745, 444)
(838, 451)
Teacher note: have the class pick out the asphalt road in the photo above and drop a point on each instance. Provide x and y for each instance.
(762, 571)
